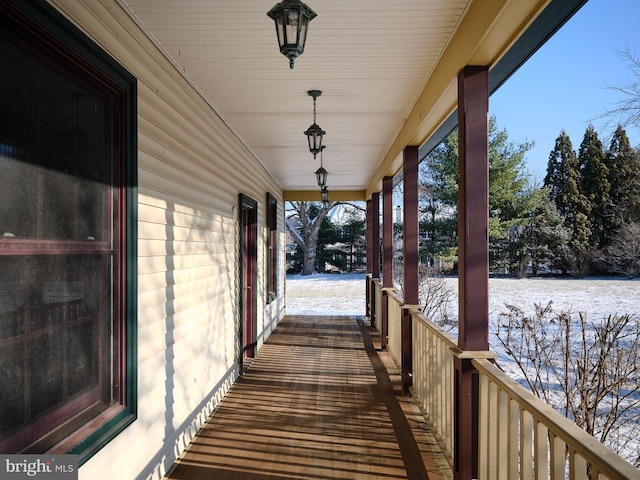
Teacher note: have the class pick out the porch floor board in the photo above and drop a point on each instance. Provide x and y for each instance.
(320, 401)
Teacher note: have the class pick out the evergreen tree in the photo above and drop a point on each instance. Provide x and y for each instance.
(545, 235)
(509, 200)
(353, 237)
(595, 183)
(623, 164)
(507, 191)
(327, 253)
(438, 216)
(563, 175)
(564, 181)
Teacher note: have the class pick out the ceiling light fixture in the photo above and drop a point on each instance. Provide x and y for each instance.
(314, 133)
(292, 19)
(321, 173)
(324, 195)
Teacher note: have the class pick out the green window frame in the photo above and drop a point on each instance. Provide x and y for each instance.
(76, 235)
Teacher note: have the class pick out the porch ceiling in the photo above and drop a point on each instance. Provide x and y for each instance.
(387, 70)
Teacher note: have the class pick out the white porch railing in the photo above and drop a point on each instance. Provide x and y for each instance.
(377, 301)
(519, 435)
(394, 332)
(433, 378)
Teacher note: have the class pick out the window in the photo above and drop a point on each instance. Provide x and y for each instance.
(67, 237)
(272, 247)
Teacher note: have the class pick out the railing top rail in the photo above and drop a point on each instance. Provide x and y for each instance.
(444, 336)
(394, 295)
(606, 460)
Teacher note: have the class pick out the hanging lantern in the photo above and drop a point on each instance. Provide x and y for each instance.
(321, 173)
(292, 19)
(324, 195)
(314, 133)
(321, 176)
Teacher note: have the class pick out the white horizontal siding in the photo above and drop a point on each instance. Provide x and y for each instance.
(191, 168)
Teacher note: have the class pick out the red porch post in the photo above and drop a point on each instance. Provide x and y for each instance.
(369, 266)
(473, 258)
(374, 246)
(387, 254)
(411, 259)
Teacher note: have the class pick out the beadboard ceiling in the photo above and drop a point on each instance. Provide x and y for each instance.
(387, 70)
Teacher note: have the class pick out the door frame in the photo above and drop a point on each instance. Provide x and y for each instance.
(248, 253)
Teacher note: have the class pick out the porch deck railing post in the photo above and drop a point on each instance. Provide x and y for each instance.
(369, 265)
(411, 259)
(387, 255)
(374, 247)
(407, 351)
(473, 257)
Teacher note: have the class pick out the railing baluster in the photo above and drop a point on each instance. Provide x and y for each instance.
(526, 445)
(541, 450)
(483, 441)
(513, 451)
(558, 457)
(577, 465)
(493, 429)
(503, 435)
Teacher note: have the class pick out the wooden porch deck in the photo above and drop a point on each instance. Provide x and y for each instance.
(320, 401)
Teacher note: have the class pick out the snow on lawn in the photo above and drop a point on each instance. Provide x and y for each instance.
(344, 294)
(326, 294)
(597, 298)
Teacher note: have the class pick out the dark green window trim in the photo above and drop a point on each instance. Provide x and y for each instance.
(67, 34)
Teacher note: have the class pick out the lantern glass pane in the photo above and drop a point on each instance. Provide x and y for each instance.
(280, 31)
(303, 31)
(292, 26)
(321, 177)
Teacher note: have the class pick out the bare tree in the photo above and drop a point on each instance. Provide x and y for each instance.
(437, 297)
(304, 225)
(304, 220)
(626, 111)
(588, 371)
(622, 257)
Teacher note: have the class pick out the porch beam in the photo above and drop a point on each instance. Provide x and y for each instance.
(483, 37)
(334, 195)
(473, 259)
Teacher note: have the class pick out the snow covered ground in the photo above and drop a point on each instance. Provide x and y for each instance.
(326, 294)
(344, 294)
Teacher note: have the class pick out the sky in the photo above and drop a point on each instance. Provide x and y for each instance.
(567, 83)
